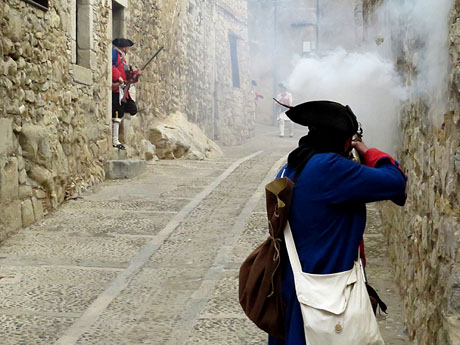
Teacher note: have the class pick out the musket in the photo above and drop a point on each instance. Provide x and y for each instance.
(357, 137)
(136, 75)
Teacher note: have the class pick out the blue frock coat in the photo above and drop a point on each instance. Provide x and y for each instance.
(328, 217)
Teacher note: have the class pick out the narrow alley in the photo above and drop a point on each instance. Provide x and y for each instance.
(189, 100)
(155, 260)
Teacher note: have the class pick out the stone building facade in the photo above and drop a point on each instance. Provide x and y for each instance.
(55, 78)
(54, 118)
(282, 32)
(194, 74)
(423, 237)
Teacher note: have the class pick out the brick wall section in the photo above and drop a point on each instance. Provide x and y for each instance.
(423, 236)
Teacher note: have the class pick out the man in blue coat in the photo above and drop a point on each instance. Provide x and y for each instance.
(328, 212)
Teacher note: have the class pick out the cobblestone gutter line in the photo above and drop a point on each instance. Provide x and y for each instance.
(213, 276)
(90, 316)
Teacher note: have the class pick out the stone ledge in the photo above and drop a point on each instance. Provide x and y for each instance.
(124, 169)
(118, 155)
(82, 75)
(123, 3)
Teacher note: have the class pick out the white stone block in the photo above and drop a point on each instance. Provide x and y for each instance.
(124, 169)
(25, 192)
(22, 176)
(27, 212)
(40, 193)
(123, 3)
(82, 75)
(9, 185)
(10, 217)
(6, 137)
(148, 150)
(38, 208)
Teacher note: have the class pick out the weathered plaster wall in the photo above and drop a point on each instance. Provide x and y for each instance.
(423, 236)
(54, 133)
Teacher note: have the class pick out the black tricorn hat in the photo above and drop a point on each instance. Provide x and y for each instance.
(325, 115)
(122, 42)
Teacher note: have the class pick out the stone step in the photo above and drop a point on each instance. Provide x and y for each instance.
(116, 154)
(124, 169)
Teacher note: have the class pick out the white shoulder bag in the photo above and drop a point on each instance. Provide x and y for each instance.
(335, 307)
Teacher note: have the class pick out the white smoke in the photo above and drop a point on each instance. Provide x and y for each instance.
(364, 81)
(424, 24)
(365, 78)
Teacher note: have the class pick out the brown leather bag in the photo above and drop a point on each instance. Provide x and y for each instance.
(260, 276)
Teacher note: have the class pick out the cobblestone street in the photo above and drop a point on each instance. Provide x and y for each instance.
(155, 260)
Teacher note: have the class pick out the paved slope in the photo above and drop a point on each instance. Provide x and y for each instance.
(153, 260)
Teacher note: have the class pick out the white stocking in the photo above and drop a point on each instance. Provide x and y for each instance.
(115, 130)
(281, 124)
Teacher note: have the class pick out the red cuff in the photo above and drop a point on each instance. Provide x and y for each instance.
(372, 156)
(362, 253)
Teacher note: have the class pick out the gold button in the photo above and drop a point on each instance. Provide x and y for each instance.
(338, 328)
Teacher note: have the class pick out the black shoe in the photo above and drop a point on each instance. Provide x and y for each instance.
(119, 146)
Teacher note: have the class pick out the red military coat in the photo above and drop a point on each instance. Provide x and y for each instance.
(120, 69)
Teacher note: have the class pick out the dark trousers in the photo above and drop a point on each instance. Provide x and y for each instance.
(118, 110)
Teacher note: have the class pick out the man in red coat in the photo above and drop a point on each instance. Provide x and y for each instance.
(121, 73)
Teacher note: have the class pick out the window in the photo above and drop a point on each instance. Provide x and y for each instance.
(83, 32)
(43, 4)
(118, 20)
(234, 57)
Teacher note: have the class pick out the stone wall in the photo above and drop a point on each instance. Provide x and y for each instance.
(191, 75)
(55, 81)
(423, 236)
(262, 43)
(53, 118)
(231, 17)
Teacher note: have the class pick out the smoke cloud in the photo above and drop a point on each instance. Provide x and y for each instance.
(364, 75)
(424, 25)
(364, 81)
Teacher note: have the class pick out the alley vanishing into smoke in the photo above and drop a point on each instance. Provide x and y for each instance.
(155, 260)
(129, 199)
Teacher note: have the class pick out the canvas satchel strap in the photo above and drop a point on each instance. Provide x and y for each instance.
(292, 252)
(282, 174)
(294, 257)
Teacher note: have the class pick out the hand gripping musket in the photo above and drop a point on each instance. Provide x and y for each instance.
(357, 137)
(136, 75)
